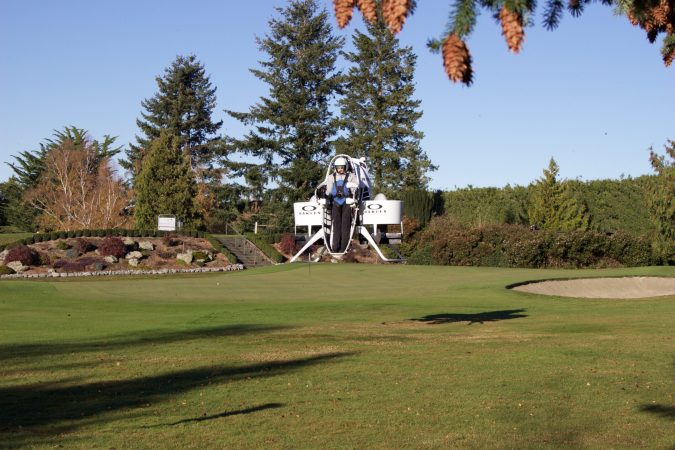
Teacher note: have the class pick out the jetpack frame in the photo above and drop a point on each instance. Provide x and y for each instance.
(377, 213)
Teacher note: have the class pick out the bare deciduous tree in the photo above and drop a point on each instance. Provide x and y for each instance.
(79, 190)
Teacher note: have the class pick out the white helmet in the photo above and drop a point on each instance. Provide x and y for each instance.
(341, 161)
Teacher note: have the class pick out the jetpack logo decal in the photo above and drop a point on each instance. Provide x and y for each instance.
(309, 210)
(375, 208)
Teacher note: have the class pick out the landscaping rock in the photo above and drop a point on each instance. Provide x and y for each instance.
(16, 266)
(129, 242)
(133, 262)
(146, 245)
(2, 257)
(134, 255)
(110, 259)
(185, 257)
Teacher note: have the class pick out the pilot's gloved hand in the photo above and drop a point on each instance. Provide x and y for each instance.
(349, 201)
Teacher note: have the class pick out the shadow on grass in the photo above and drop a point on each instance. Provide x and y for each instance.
(489, 316)
(14, 352)
(31, 412)
(667, 412)
(225, 414)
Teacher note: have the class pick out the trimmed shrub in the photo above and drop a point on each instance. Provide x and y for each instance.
(63, 265)
(26, 255)
(112, 246)
(44, 259)
(446, 242)
(171, 240)
(265, 247)
(86, 233)
(4, 270)
(72, 253)
(83, 245)
(62, 245)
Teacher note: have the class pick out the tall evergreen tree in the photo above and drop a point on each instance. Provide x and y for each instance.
(166, 184)
(380, 113)
(293, 126)
(183, 106)
(661, 192)
(553, 206)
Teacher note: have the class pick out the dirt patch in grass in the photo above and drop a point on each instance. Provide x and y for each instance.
(628, 287)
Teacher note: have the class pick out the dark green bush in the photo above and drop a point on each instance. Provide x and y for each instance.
(86, 233)
(4, 270)
(62, 245)
(446, 242)
(265, 247)
(218, 247)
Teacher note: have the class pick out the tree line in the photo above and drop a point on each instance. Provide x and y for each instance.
(181, 164)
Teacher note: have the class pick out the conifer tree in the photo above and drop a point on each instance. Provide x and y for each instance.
(183, 106)
(661, 192)
(553, 206)
(293, 126)
(655, 17)
(379, 112)
(166, 184)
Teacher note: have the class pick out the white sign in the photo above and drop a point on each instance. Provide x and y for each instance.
(307, 213)
(381, 212)
(166, 223)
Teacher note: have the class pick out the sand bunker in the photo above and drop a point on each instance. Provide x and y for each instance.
(629, 287)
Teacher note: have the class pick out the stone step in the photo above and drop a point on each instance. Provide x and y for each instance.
(246, 252)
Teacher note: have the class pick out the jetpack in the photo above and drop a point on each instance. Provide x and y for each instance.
(371, 217)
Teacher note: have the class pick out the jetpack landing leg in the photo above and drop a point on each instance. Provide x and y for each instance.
(318, 235)
(364, 232)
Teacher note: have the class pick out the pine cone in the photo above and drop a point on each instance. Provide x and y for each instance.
(668, 59)
(369, 10)
(659, 14)
(512, 29)
(343, 11)
(457, 60)
(395, 12)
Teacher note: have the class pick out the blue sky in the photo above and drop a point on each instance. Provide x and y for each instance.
(593, 94)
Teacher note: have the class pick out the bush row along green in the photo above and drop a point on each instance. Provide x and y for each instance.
(262, 242)
(54, 235)
(446, 242)
(222, 249)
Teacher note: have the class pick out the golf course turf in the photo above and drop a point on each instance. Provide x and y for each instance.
(335, 356)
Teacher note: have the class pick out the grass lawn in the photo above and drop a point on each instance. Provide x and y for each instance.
(334, 356)
(8, 238)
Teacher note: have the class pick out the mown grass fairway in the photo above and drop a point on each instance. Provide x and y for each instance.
(336, 356)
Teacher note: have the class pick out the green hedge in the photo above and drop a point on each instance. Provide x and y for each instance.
(261, 241)
(220, 248)
(446, 242)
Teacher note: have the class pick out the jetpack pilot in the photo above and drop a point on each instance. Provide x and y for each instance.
(340, 187)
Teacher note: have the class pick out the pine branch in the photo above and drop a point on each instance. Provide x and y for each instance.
(553, 14)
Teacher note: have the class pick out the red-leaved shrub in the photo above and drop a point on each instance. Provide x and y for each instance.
(288, 245)
(112, 246)
(83, 245)
(23, 253)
